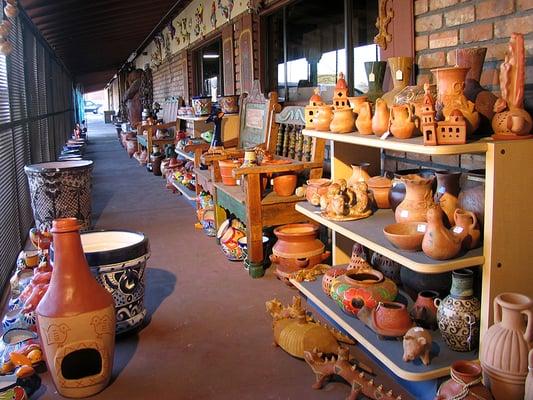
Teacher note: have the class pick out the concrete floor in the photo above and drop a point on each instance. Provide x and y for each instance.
(208, 335)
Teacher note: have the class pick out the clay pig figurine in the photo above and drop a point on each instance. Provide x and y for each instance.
(417, 343)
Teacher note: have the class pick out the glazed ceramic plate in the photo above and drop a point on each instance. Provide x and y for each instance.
(111, 247)
(222, 228)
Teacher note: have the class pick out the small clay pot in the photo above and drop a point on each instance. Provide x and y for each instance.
(391, 319)
(424, 311)
(466, 228)
(343, 121)
(285, 184)
(323, 118)
(380, 187)
(464, 373)
(226, 171)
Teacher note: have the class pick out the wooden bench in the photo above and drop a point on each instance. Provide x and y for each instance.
(146, 134)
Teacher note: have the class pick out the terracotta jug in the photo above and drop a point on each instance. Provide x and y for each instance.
(472, 195)
(363, 122)
(77, 331)
(450, 96)
(447, 194)
(380, 120)
(466, 228)
(506, 344)
(529, 379)
(439, 243)
(418, 198)
(343, 120)
(375, 73)
(402, 124)
(400, 68)
(359, 174)
(356, 101)
(397, 192)
(323, 118)
(465, 383)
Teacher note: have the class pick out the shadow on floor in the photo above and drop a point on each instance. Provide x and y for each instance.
(160, 284)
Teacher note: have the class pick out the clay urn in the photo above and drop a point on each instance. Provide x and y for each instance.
(418, 199)
(465, 383)
(402, 124)
(466, 228)
(380, 120)
(397, 192)
(324, 115)
(343, 120)
(363, 122)
(439, 243)
(77, 331)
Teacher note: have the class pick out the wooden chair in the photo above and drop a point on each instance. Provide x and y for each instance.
(170, 123)
(248, 202)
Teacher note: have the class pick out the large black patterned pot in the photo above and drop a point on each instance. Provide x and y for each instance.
(60, 189)
(118, 259)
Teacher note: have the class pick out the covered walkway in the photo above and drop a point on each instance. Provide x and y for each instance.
(208, 335)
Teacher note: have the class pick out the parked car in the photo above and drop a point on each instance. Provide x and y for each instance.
(91, 106)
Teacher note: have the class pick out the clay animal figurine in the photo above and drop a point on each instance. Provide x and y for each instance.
(417, 343)
(324, 369)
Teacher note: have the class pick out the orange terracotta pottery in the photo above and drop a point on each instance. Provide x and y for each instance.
(380, 120)
(402, 124)
(363, 122)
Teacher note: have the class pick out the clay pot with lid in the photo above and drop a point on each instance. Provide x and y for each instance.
(78, 331)
(298, 246)
(355, 290)
(506, 344)
(380, 187)
(465, 383)
(418, 199)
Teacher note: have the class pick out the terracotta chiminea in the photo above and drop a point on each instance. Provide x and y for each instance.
(76, 319)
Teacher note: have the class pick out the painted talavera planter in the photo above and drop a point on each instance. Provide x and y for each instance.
(60, 190)
(117, 260)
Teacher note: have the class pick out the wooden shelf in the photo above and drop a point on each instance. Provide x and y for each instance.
(188, 193)
(413, 145)
(389, 352)
(369, 233)
(188, 156)
(192, 118)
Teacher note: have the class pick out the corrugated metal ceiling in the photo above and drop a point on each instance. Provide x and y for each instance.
(95, 37)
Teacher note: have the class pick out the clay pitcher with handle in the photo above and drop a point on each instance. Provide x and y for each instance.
(506, 346)
(380, 120)
(363, 123)
(402, 125)
(466, 228)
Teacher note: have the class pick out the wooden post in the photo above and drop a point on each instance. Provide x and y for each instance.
(254, 225)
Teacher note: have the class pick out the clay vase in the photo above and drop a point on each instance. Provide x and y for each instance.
(356, 101)
(379, 187)
(418, 199)
(359, 174)
(466, 229)
(389, 268)
(343, 120)
(458, 314)
(424, 311)
(375, 74)
(380, 120)
(439, 243)
(400, 68)
(391, 319)
(472, 195)
(285, 184)
(77, 331)
(529, 379)
(329, 276)
(450, 96)
(465, 383)
(363, 123)
(315, 189)
(397, 192)
(483, 99)
(355, 290)
(402, 124)
(447, 194)
(131, 146)
(506, 345)
(323, 118)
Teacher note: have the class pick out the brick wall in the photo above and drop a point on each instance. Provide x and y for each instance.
(169, 78)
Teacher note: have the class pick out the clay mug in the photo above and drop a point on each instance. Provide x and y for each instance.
(466, 228)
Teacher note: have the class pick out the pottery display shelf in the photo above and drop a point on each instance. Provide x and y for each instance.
(195, 126)
(192, 118)
(188, 193)
(184, 154)
(412, 145)
(369, 233)
(388, 352)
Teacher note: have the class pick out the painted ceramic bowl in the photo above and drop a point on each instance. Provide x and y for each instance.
(229, 104)
(230, 245)
(406, 236)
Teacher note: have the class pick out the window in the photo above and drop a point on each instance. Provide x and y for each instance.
(209, 70)
(305, 47)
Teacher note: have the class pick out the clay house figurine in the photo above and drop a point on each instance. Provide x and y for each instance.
(452, 130)
(428, 125)
(340, 97)
(315, 101)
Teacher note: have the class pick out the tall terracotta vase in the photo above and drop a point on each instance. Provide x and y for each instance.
(418, 199)
(483, 99)
(447, 194)
(465, 383)
(359, 174)
(506, 344)
(450, 96)
(375, 73)
(400, 68)
(76, 319)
